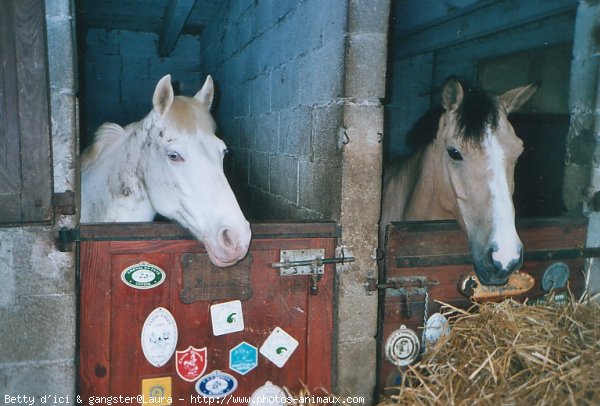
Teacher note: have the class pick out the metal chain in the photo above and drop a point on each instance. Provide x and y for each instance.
(425, 314)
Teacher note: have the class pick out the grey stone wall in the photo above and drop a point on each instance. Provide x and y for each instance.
(278, 66)
(37, 283)
(300, 87)
(121, 69)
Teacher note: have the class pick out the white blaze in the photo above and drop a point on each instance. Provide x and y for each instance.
(504, 234)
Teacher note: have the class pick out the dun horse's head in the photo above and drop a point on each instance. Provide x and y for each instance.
(183, 173)
(481, 150)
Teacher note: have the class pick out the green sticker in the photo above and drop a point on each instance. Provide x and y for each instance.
(143, 275)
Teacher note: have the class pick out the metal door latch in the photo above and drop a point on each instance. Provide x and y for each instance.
(405, 286)
(306, 262)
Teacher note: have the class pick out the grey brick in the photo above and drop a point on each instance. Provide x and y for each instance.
(284, 177)
(267, 132)
(326, 124)
(295, 132)
(322, 74)
(259, 170)
(365, 52)
(319, 187)
(39, 379)
(260, 99)
(38, 328)
(285, 86)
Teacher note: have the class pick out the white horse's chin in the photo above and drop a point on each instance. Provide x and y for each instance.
(215, 255)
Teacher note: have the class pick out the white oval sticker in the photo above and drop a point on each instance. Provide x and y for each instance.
(159, 337)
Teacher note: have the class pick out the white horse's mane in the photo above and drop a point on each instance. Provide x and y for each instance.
(107, 134)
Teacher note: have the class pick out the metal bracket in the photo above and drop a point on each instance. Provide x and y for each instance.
(64, 203)
(401, 283)
(306, 262)
(66, 238)
(405, 286)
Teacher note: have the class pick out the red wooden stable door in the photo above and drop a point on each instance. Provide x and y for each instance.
(429, 260)
(113, 313)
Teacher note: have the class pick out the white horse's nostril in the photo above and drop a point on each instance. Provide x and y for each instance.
(227, 240)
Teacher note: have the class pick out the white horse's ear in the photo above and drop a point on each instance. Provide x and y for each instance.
(452, 94)
(163, 96)
(206, 94)
(515, 99)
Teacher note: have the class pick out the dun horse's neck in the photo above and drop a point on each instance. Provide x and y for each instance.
(431, 196)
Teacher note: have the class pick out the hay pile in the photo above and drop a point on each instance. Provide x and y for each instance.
(510, 354)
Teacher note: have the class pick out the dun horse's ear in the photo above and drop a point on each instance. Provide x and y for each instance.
(163, 96)
(452, 94)
(206, 94)
(515, 99)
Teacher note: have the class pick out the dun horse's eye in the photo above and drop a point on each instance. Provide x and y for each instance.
(454, 154)
(175, 157)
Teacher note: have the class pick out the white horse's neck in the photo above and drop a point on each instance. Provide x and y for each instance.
(117, 164)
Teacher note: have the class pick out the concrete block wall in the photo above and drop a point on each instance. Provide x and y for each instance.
(37, 283)
(121, 69)
(279, 69)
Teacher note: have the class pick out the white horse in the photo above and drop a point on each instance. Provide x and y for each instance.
(170, 163)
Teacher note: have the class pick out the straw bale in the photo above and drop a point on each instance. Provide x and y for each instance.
(509, 353)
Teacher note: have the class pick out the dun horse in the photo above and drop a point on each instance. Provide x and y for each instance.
(466, 173)
(170, 163)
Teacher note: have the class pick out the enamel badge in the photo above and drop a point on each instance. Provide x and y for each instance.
(157, 391)
(268, 394)
(402, 347)
(159, 336)
(227, 317)
(217, 384)
(143, 275)
(191, 363)
(436, 327)
(279, 347)
(243, 358)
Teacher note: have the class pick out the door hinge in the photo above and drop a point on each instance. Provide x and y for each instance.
(306, 262)
(66, 238)
(64, 203)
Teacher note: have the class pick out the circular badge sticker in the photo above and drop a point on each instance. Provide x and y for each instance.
(268, 394)
(402, 347)
(217, 384)
(143, 275)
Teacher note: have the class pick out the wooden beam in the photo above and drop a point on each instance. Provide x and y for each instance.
(175, 17)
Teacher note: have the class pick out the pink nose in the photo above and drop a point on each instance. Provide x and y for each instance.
(234, 244)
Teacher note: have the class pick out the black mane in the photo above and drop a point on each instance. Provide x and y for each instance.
(477, 110)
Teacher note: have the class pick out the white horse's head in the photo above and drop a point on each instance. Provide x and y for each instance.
(182, 169)
(479, 148)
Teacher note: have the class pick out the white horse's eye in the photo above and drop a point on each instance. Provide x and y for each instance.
(175, 157)
(454, 154)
